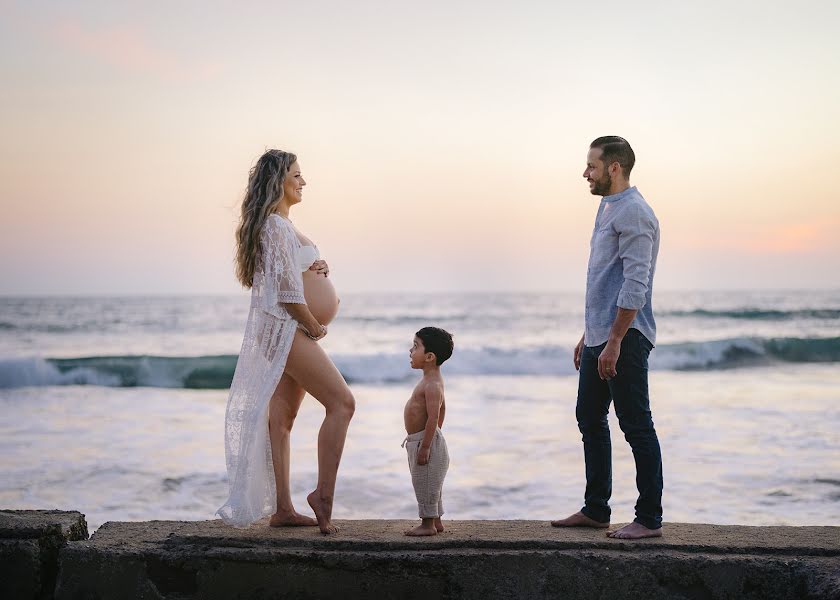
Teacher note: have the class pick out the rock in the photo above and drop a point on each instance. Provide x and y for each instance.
(471, 560)
(30, 541)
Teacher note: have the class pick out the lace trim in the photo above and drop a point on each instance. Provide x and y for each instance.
(290, 298)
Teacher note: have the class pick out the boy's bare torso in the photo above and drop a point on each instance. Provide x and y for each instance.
(416, 412)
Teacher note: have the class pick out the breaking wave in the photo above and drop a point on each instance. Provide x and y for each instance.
(216, 372)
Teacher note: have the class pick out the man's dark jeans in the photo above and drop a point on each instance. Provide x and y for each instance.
(629, 391)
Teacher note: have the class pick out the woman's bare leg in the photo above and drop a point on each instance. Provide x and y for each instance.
(310, 366)
(282, 411)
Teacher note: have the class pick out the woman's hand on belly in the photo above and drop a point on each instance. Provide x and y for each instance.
(320, 266)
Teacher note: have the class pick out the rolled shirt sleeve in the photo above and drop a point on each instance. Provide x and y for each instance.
(636, 233)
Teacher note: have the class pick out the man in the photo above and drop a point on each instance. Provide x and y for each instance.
(619, 333)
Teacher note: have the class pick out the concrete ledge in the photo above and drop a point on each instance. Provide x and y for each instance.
(29, 544)
(473, 559)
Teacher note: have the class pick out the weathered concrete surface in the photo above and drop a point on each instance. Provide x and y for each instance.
(473, 559)
(29, 545)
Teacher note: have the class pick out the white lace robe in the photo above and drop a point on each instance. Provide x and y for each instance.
(262, 360)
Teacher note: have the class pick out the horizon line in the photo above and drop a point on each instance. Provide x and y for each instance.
(535, 292)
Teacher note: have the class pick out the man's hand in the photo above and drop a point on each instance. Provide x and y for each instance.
(608, 360)
(609, 356)
(423, 455)
(578, 352)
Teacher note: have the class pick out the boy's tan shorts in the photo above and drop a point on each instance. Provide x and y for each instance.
(428, 478)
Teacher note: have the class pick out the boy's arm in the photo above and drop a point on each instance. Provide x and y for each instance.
(433, 397)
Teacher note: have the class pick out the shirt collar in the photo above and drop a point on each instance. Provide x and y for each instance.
(620, 195)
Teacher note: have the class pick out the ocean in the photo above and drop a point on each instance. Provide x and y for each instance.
(115, 406)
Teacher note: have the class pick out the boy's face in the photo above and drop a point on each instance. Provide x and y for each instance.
(418, 354)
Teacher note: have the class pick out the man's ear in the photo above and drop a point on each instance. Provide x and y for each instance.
(614, 169)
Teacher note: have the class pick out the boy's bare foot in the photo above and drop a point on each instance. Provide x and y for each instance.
(579, 520)
(291, 519)
(322, 507)
(422, 529)
(439, 525)
(634, 531)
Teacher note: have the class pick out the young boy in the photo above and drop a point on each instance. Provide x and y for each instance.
(428, 457)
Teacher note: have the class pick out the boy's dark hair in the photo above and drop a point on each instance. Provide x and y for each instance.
(438, 341)
(616, 149)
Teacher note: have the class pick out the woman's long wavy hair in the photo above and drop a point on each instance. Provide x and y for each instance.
(265, 191)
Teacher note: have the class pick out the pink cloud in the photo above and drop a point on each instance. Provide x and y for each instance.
(793, 238)
(805, 237)
(128, 49)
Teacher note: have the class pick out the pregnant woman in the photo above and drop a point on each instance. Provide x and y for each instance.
(292, 302)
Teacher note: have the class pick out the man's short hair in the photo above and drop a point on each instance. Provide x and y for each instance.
(438, 341)
(616, 149)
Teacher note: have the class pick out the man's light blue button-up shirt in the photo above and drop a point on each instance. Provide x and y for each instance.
(622, 261)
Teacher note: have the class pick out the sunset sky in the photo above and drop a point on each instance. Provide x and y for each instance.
(443, 142)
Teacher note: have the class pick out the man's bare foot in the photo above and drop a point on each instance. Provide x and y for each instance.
(322, 507)
(634, 531)
(422, 530)
(291, 519)
(579, 520)
(439, 525)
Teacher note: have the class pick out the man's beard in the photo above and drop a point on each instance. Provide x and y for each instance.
(602, 186)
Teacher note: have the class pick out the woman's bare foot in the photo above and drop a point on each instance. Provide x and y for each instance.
(291, 519)
(579, 520)
(634, 531)
(439, 525)
(427, 527)
(322, 507)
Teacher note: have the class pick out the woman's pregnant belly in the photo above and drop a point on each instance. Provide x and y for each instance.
(320, 296)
